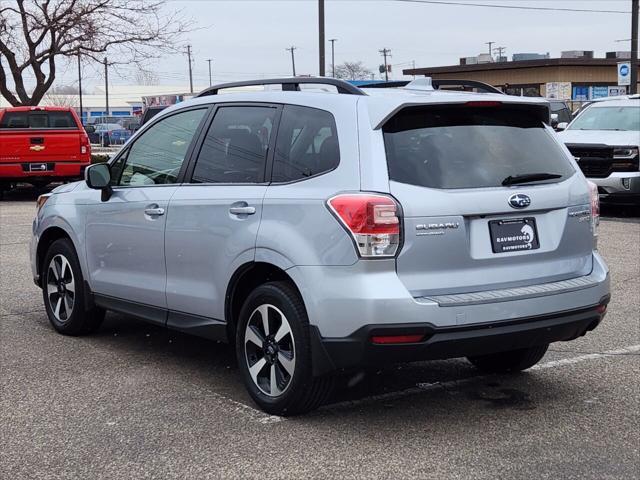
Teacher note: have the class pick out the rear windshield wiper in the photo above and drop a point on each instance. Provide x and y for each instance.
(528, 178)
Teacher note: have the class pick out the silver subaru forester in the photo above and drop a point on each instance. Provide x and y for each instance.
(324, 228)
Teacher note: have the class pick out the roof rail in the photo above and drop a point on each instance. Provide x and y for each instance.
(437, 84)
(288, 84)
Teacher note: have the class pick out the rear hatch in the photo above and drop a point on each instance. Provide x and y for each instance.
(39, 136)
(473, 220)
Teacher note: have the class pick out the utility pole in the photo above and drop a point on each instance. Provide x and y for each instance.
(633, 88)
(385, 52)
(293, 58)
(210, 60)
(80, 86)
(500, 51)
(190, 70)
(490, 50)
(333, 57)
(321, 36)
(106, 84)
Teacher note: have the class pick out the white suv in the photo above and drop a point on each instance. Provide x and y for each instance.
(605, 139)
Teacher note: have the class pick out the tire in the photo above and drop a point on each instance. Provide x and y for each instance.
(511, 361)
(288, 357)
(63, 292)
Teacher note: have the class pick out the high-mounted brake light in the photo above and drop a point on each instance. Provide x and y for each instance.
(372, 220)
(480, 103)
(594, 197)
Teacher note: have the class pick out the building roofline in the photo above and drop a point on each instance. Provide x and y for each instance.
(538, 63)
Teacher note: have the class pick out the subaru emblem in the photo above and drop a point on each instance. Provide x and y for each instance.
(519, 200)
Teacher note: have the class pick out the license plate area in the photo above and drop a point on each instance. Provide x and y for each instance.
(38, 167)
(513, 235)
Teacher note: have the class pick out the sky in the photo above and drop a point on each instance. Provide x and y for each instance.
(248, 39)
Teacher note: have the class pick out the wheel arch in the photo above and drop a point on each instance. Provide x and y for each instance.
(244, 280)
(47, 237)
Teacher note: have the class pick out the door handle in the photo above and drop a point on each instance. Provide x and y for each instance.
(154, 212)
(242, 210)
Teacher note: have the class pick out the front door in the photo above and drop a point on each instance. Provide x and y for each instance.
(125, 235)
(213, 220)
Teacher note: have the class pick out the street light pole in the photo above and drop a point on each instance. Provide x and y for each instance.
(106, 84)
(210, 81)
(321, 36)
(633, 88)
(333, 57)
(80, 86)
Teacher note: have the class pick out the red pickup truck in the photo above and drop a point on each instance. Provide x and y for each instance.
(40, 145)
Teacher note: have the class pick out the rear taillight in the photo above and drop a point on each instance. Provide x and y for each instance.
(595, 206)
(85, 147)
(373, 221)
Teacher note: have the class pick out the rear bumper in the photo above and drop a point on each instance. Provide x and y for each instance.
(20, 172)
(357, 350)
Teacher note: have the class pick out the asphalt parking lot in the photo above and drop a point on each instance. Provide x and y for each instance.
(135, 401)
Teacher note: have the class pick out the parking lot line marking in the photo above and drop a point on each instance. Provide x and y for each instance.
(427, 387)
(253, 413)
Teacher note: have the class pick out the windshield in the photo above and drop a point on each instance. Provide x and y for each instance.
(608, 118)
(471, 147)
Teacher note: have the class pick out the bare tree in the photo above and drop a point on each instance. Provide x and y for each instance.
(353, 71)
(62, 99)
(35, 34)
(146, 77)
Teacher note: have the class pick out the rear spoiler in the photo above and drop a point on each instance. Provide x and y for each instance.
(541, 110)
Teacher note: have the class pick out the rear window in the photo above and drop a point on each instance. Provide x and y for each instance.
(459, 146)
(38, 119)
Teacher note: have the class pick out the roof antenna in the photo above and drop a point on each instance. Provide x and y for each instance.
(421, 83)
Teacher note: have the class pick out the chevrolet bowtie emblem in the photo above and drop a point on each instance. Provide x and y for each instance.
(37, 148)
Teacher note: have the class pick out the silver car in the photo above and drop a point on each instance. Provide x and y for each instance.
(323, 228)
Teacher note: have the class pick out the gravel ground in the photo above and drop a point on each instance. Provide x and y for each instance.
(135, 401)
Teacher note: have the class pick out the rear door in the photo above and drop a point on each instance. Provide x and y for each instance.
(214, 217)
(40, 136)
(466, 228)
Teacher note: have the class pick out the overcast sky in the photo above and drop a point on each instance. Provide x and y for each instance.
(247, 39)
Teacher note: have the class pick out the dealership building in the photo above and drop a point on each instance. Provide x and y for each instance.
(576, 76)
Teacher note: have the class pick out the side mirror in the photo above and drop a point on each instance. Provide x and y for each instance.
(561, 126)
(90, 129)
(98, 177)
(554, 120)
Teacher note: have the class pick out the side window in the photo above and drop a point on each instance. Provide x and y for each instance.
(157, 155)
(236, 145)
(307, 144)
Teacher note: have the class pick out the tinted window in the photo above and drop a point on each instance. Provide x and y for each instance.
(157, 155)
(608, 118)
(236, 145)
(469, 147)
(38, 120)
(307, 144)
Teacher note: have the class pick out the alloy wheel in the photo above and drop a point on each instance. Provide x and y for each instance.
(61, 290)
(270, 350)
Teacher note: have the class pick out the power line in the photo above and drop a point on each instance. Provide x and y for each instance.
(514, 7)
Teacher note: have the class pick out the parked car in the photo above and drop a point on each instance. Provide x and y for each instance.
(605, 140)
(151, 112)
(107, 134)
(40, 145)
(324, 233)
(560, 112)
